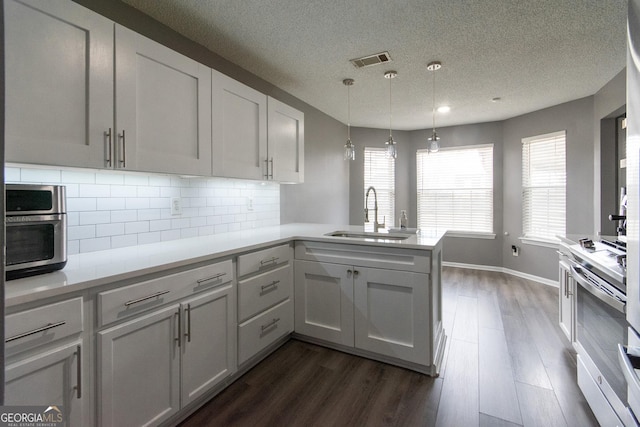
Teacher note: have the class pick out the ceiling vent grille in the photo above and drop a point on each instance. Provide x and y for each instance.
(375, 59)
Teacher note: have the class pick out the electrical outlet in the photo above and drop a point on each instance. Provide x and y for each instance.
(176, 206)
(515, 251)
(249, 203)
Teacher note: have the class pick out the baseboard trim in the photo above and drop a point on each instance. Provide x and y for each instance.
(516, 273)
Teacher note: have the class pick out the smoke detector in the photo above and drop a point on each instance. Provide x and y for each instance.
(375, 59)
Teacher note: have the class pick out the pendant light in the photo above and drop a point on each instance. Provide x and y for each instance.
(433, 142)
(392, 149)
(349, 148)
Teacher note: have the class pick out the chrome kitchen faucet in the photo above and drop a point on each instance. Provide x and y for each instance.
(376, 225)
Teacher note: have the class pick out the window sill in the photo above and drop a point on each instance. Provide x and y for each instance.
(546, 243)
(470, 235)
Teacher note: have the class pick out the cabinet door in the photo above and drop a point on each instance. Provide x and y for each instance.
(209, 341)
(324, 301)
(286, 142)
(239, 129)
(163, 108)
(392, 314)
(50, 378)
(59, 83)
(139, 370)
(566, 301)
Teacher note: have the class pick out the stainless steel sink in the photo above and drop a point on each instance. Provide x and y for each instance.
(367, 235)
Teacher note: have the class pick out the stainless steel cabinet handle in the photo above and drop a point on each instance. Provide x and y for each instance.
(271, 175)
(123, 157)
(179, 326)
(270, 285)
(214, 277)
(268, 261)
(107, 134)
(266, 165)
(270, 324)
(79, 373)
(355, 273)
(188, 334)
(35, 331)
(136, 301)
(349, 272)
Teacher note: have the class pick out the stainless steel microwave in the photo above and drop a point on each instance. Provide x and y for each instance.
(36, 229)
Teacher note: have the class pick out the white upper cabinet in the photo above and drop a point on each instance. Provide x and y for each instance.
(163, 108)
(239, 129)
(59, 83)
(83, 91)
(286, 142)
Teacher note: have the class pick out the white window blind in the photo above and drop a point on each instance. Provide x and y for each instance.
(544, 185)
(455, 189)
(380, 172)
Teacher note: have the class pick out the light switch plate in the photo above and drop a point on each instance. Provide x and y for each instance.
(176, 206)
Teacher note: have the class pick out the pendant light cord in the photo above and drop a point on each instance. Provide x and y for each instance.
(434, 101)
(349, 112)
(390, 134)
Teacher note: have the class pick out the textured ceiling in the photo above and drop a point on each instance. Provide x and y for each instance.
(531, 53)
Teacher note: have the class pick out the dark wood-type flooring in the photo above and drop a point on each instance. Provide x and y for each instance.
(506, 363)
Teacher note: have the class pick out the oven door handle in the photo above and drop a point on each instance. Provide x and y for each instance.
(627, 368)
(596, 292)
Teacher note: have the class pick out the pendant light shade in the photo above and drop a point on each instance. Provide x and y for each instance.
(433, 142)
(391, 147)
(349, 148)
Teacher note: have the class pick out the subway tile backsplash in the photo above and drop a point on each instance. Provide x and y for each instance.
(110, 209)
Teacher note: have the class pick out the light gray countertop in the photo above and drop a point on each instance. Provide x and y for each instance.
(93, 269)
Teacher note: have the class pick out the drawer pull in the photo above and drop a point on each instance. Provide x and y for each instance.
(179, 316)
(35, 331)
(214, 277)
(270, 324)
(136, 301)
(273, 260)
(270, 285)
(79, 373)
(188, 334)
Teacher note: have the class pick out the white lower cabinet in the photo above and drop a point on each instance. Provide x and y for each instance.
(265, 309)
(567, 301)
(139, 370)
(390, 313)
(153, 365)
(46, 359)
(380, 311)
(208, 348)
(52, 377)
(324, 301)
(378, 302)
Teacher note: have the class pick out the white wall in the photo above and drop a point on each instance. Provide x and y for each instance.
(107, 210)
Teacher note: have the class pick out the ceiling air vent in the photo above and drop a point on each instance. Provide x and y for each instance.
(375, 59)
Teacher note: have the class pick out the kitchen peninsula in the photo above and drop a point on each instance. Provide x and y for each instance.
(184, 319)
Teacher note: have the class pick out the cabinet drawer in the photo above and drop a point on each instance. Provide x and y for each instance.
(417, 261)
(266, 259)
(121, 303)
(30, 328)
(263, 291)
(257, 333)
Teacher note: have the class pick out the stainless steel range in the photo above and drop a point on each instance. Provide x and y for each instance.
(601, 326)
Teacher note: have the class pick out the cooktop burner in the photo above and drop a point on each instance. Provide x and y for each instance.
(619, 245)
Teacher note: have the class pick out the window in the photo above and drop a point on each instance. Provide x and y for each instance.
(380, 172)
(544, 186)
(455, 189)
